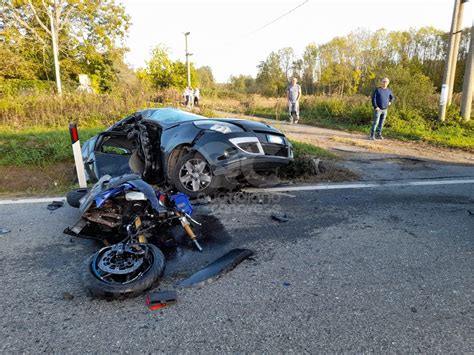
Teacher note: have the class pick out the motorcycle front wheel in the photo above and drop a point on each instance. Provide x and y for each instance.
(115, 275)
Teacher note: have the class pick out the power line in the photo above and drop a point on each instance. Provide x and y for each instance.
(278, 18)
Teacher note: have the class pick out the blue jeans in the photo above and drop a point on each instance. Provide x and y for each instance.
(377, 123)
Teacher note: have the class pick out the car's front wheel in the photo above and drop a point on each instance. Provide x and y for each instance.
(193, 176)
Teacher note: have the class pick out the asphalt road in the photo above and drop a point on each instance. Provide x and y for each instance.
(386, 269)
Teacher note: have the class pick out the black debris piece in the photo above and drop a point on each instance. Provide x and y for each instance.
(55, 205)
(218, 267)
(280, 217)
(470, 213)
(68, 296)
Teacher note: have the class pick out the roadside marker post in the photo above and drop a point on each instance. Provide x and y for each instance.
(76, 149)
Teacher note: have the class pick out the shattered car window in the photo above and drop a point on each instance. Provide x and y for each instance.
(170, 116)
(116, 145)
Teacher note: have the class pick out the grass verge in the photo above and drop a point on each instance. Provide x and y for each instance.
(38, 161)
(38, 147)
(355, 114)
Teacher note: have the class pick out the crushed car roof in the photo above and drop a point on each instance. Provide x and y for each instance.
(169, 116)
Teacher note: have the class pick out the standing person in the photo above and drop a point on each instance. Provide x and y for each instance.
(381, 99)
(293, 94)
(186, 96)
(197, 97)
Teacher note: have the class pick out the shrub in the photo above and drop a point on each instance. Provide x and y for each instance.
(17, 87)
(88, 110)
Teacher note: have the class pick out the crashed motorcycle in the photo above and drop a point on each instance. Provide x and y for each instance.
(126, 214)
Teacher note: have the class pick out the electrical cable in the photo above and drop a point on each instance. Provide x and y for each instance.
(278, 18)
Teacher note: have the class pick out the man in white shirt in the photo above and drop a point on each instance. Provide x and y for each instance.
(293, 94)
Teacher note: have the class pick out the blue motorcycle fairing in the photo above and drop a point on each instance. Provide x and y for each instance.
(181, 201)
(108, 187)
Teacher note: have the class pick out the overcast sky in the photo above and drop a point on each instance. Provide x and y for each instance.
(225, 35)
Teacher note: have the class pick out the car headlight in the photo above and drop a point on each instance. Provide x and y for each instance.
(218, 126)
(275, 139)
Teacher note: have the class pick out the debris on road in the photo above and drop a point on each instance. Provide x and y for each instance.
(68, 296)
(470, 213)
(157, 300)
(202, 201)
(286, 284)
(280, 217)
(4, 231)
(55, 205)
(214, 270)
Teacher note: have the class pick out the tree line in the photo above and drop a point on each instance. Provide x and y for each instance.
(91, 37)
(353, 64)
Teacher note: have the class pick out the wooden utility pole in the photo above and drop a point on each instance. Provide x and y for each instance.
(456, 40)
(53, 19)
(452, 55)
(468, 85)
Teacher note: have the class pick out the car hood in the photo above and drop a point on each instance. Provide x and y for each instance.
(251, 125)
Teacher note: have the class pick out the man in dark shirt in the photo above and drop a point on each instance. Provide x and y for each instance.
(381, 99)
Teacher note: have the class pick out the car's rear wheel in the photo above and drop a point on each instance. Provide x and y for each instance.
(193, 176)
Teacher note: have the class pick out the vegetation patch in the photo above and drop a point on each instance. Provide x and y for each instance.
(38, 147)
(355, 114)
(39, 161)
(314, 164)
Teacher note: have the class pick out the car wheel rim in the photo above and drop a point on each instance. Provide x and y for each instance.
(195, 175)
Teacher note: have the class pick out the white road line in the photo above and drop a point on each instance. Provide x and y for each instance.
(31, 200)
(290, 188)
(361, 185)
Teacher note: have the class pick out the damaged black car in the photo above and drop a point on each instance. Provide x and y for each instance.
(194, 154)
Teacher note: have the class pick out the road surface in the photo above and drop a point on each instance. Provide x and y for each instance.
(364, 269)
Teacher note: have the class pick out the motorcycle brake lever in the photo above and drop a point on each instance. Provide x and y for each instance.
(192, 219)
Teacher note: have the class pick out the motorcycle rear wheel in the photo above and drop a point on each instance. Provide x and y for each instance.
(73, 197)
(146, 276)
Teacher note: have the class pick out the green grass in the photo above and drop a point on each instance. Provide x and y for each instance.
(355, 114)
(448, 134)
(301, 148)
(38, 147)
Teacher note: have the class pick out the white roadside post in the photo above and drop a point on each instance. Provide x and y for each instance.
(76, 149)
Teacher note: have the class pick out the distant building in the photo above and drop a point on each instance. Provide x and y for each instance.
(85, 84)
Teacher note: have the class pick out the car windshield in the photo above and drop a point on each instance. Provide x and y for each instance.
(170, 116)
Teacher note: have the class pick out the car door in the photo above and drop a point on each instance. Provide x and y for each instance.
(111, 155)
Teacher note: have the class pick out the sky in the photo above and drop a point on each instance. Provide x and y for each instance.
(227, 35)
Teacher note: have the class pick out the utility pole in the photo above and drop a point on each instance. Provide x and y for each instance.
(452, 55)
(53, 19)
(456, 40)
(187, 58)
(468, 85)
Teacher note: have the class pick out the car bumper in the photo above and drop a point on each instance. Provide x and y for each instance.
(242, 164)
(260, 156)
